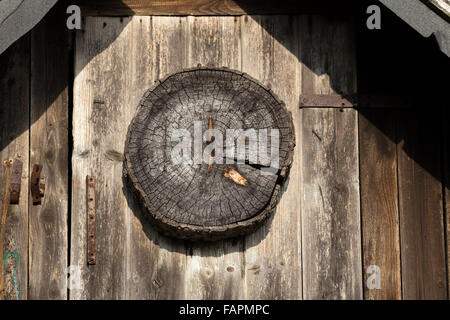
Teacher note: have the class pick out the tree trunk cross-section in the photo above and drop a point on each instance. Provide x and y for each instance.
(223, 194)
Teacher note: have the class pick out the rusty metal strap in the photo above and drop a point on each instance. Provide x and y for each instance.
(16, 181)
(36, 187)
(90, 205)
(328, 100)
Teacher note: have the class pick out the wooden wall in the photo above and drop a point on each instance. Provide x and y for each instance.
(34, 123)
(366, 188)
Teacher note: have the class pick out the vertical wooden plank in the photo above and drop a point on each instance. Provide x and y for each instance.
(379, 203)
(273, 253)
(214, 270)
(446, 120)
(328, 55)
(14, 143)
(421, 205)
(331, 238)
(100, 117)
(49, 146)
(155, 263)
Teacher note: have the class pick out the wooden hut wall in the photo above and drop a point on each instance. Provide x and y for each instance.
(368, 187)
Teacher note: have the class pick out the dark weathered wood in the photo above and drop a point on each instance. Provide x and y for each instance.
(270, 53)
(204, 7)
(14, 144)
(385, 101)
(49, 147)
(421, 205)
(379, 203)
(445, 122)
(16, 182)
(327, 100)
(331, 239)
(215, 198)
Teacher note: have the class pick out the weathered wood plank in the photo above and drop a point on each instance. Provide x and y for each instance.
(100, 116)
(446, 121)
(214, 270)
(328, 56)
(273, 253)
(421, 206)
(331, 239)
(133, 260)
(203, 7)
(331, 221)
(49, 146)
(379, 203)
(14, 144)
(156, 263)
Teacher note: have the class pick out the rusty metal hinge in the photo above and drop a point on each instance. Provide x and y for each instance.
(37, 184)
(328, 100)
(16, 182)
(90, 205)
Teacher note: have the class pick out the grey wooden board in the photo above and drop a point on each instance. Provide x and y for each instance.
(49, 146)
(331, 213)
(214, 271)
(445, 119)
(331, 235)
(14, 143)
(133, 261)
(273, 253)
(157, 263)
(100, 92)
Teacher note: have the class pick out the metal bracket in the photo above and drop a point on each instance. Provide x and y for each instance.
(328, 100)
(90, 205)
(16, 182)
(37, 184)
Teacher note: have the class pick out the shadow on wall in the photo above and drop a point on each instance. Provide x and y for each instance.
(392, 61)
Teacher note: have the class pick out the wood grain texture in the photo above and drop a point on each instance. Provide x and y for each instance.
(99, 116)
(203, 199)
(328, 55)
(156, 262)
(273, 253)
(421, 206)
(49, 147)
(133, 260)
(14, 143)
(331, 221)
(379, 202)
(203, 7)
(331, 238)
(214, 271)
